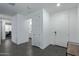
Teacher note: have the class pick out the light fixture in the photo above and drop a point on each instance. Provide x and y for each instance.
(58, 4)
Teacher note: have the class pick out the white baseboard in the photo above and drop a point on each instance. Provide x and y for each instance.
(60, 45)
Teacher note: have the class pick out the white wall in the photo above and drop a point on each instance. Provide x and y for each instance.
(65, 24)
(46, 19)
(14, 29)
(77, 40)
(73, 25)
(3, 29)
(19, 29)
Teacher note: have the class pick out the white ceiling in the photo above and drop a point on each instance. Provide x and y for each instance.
(26, 8)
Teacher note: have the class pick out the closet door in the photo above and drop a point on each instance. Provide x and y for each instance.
(36, 30)
(0, 31)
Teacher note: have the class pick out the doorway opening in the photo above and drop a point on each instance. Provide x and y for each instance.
(8, 30)
(29, 23)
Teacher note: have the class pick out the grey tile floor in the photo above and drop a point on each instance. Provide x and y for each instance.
(8, 48)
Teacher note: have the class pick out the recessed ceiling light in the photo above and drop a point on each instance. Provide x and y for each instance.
(58, 4)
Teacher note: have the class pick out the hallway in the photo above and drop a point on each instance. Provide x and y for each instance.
(10, 49)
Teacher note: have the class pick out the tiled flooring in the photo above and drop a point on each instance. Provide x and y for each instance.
(7, 48)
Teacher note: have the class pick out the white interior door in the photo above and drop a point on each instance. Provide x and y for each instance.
(61, 26)
(36, 29)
